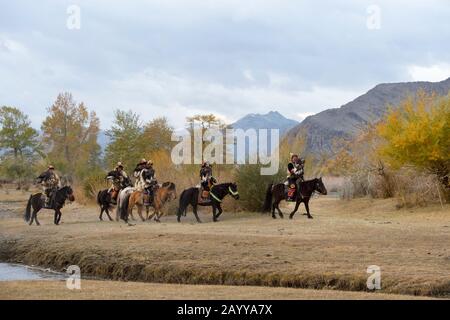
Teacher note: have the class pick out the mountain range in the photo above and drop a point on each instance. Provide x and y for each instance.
(346, 122)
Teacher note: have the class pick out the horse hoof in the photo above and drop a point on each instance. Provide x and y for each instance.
(274, 217)
(291, 216)
(310, 217)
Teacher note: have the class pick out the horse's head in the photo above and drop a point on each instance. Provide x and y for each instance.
(172, 190)
(233, 190)
(319, 186)
(68, 192)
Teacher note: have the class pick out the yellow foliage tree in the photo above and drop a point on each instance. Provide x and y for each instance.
(417, 133)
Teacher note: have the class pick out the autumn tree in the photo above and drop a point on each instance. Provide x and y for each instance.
(157, 135)
(125, 139)
(204, 122)
(70, 134)
(19, 143)
(417, 134)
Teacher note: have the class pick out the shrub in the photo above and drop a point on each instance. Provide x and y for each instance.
(253, 186)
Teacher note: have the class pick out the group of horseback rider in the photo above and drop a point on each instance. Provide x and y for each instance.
(145, 180)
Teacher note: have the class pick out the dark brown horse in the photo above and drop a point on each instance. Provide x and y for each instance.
(36, 202)
(276, 193)
(217, 193)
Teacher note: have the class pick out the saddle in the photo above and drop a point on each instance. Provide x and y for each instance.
(203, 195)
(49, 199)
(291, 192)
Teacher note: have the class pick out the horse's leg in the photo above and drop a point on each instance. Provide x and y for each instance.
(273, 211)
(157, 215)
(194, 209)
(275, 206)
(130, 211)
(59, 215)
(107, 213)
(214, 209)
(147, 211)
(139, 206)
(279, 211)
(35, 217)
(219, 208)
(307, 209)
(181, 209)
(101, 213)
(152, 215)
(295, 209)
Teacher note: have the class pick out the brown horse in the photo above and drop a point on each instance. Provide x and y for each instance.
(161, 195)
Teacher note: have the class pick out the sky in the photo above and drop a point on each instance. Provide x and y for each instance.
(177, 58)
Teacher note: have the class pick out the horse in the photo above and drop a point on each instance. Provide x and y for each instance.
(37, 202)
(217, 193)
(104, 198)
(166, 192)
(276, 193)
(122, 203)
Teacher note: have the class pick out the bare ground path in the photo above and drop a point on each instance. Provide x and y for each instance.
(331, 251)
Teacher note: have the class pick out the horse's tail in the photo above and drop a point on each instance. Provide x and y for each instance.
(99, 197)
(124, 207)
(268, 201)
(182, 207)
(27, 214)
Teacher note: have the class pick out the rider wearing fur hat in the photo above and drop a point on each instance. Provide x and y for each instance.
(295, 171)
(206, 179)
(137, 173)
(50, 183)
(119, 180)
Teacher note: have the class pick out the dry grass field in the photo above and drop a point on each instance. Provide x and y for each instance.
(331, 251)
(99, 290)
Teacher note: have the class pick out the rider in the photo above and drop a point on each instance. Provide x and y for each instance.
(118, 180)
(139, 183)
(50, 183)
(206, 179)
(295, 171)
(148, 177)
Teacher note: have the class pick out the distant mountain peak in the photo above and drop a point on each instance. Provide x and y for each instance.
(270, 120)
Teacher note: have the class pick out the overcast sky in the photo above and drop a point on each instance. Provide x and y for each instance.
(230, 57)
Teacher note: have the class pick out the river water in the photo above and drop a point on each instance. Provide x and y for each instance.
(12, 272)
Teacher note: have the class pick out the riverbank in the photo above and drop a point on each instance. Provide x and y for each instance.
(331, 251)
